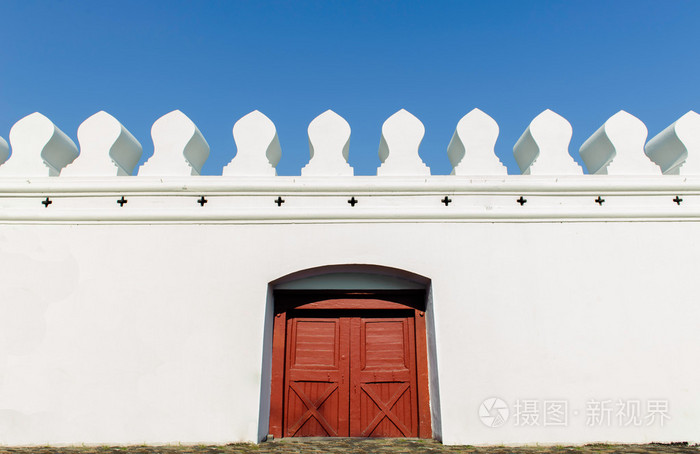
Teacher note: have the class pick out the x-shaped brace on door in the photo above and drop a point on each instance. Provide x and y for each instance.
(385, 410)
(313, 410)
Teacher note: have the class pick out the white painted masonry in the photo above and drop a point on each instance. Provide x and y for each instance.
(136, 309)
(258, 147)
(329, 146)
(543, 149)
(179, 147)
(471, 150)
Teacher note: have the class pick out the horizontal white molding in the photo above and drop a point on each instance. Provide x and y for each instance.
(357, 184)
(325, 200)
(343, 216)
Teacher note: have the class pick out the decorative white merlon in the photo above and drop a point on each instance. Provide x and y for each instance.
(676, 149)
(471, 150)
(402, 134)
(4, 150)
(329, 146)
(617, 148)
(258, 147)
(39, 148)
(179, 147)
(543, 149)
(106, 148)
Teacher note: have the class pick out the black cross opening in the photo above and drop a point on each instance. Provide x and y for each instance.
(46, 202)
(521, 201)
(600, 201)
(352, 201)
(201, 201)
(122, 201)
(279, 201)
(446, 200)
(678, 200)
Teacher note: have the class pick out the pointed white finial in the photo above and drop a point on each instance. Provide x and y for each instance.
(617, 148)
(258, 147)
(106, 148)
(39, 148)
(179, 148)
(471, 150)
(543, 149)
(4, 150)
(402, 134)
(329, 145)
(676, 149)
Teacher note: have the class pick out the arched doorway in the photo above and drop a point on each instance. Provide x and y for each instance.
(350, 355)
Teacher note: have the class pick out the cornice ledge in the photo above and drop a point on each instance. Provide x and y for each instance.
(365, 184)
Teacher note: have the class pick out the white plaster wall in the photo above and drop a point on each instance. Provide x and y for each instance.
(154, 333)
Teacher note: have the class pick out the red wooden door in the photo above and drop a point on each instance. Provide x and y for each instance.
(383, 377)
(350, 374)
(316, 379)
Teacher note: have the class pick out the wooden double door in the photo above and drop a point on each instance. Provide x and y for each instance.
(350, 367)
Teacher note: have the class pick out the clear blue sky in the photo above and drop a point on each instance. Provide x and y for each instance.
(218, 60)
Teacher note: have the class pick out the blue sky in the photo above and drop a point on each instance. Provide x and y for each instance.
(218, 60)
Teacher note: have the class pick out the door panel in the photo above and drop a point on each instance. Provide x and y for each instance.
(316, 344)
(383, 395)
(385, 344)
(384, 409)
(316, 385)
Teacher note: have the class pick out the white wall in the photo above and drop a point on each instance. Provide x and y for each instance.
(116, 333)
(145, 323)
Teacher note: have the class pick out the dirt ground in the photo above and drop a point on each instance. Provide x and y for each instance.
(364, 446)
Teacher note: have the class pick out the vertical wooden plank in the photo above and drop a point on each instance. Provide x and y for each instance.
(355, 379)
(288, 350)
(345, 385)
(425, 426)
(277, 379)
(412, 357)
